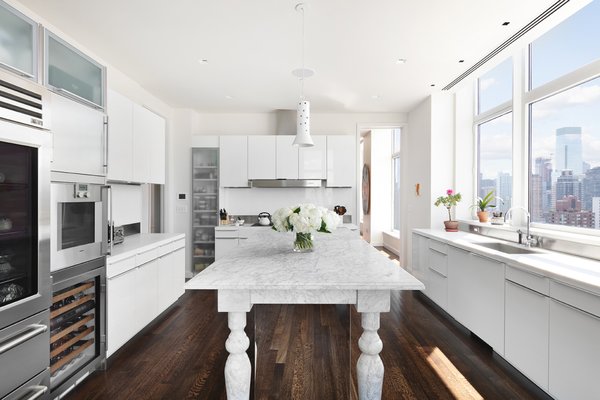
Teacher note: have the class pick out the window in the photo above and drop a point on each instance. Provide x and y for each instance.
(565, 157)
(495, 87)
(570, 45)
(564, 133)
(495, 160)
(396, 178)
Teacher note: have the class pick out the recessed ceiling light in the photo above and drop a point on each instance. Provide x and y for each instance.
(375, 97)
(203, 61)
(401, 61)
(461, 61)
(228, 97)
(505, 23)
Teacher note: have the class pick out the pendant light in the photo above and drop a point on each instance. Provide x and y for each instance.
(303, 138)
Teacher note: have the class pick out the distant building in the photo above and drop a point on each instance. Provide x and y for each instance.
(485, 185)
(504, 191)
(567, 184)
(582, 219)
(568, 150)
(596, 211)
(541, 188)
(591, 187)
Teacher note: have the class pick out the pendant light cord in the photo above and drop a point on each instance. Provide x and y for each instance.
(303, 67)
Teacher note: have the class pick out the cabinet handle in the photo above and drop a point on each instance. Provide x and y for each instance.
(75, 97)
(17, 71)
(36, 392)
(437, 272)
(105, 144)
(31, 332)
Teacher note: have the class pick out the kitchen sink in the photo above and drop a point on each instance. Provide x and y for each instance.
(506, 248)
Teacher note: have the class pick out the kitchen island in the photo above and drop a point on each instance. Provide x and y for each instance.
(342, 269)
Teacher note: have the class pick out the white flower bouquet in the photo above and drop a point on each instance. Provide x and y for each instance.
(304, 219)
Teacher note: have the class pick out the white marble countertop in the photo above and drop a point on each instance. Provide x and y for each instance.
(583, 273)
(341, 260)
(139, 243)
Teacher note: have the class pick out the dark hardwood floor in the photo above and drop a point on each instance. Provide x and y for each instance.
(304, 352)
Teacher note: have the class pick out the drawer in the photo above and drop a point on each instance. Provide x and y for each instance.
(574, 297)
(226, 234)
(36, 388)
(143, 258)
(119, 267)
(164, 249)
(438, 262)
(438, 246)
(24, 351)
(178, 244)
(538, 283)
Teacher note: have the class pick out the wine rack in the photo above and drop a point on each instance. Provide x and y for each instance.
(72, 325)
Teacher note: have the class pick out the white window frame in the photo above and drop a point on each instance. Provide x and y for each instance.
(394, 156)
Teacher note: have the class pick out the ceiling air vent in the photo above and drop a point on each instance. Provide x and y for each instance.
(551, 10)
(22, 101)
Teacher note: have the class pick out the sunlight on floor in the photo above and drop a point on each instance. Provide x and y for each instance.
(458, 385)
(391, 257)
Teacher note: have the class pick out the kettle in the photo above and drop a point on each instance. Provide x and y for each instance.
(264, 218)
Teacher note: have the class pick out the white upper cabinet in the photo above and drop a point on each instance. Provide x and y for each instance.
(19, 42)
(233, 161)
(136, 142)
(120, 141)
(287, 157)
(148, 146)
(262, 157)
(79, 136)
(73, 74)
(312, 160)
(341, 161)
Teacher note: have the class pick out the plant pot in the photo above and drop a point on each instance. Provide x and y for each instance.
(483, 216)
(451, 226)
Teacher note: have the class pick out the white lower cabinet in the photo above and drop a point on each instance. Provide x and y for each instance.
(476, 295)
(224, 245)
(574, 347)
(121, 304)
(437, 267)
(526, 332)
(139, 288)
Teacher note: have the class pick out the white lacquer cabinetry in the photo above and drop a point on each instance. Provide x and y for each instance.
(526, 332)
(287, 157)
(476, 295)
(262, 157)
(574, 351)
(120, 143)
(233, 161)
(312, 161)
(341, 161)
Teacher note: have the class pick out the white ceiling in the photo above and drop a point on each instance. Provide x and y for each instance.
(252, 47)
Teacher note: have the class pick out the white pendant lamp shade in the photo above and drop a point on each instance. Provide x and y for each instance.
(303, 138)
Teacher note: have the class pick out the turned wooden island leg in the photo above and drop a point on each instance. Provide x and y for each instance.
(369, 368)
(237, 368)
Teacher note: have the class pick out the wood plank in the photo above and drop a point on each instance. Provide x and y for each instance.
(70, 306)
(78, 289)
(71, 328)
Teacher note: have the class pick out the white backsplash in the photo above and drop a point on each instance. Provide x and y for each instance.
(251, 201)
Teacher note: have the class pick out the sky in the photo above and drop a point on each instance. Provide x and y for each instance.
(570, 45)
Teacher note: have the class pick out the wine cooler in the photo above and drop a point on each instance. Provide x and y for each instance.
(77, 324)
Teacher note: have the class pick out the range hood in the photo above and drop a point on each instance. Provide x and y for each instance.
(286, 183)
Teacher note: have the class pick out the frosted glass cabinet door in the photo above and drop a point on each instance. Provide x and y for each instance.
(72, 73)
(18, 42)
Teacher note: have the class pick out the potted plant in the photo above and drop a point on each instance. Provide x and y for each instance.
(449, 200)
(483, 204)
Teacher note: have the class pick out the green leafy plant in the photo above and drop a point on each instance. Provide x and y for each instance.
(484, 203)
(449, 200)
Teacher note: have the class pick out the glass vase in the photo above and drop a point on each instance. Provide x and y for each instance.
(303, 242)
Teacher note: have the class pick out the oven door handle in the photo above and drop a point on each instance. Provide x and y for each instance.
(107, 230)
(31, 332)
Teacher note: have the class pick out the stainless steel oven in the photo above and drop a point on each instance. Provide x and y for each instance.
(79, 222)
(25, 286)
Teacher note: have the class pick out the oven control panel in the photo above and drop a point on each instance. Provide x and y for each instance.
(82, 191)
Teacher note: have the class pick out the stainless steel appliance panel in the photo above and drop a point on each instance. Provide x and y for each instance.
(79, 221)
(24, 351)
(39, 300)
(37, 388)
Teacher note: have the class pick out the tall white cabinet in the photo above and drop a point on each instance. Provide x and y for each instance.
(287, 157)
(312, 161)
(262, 157)
(341, 161)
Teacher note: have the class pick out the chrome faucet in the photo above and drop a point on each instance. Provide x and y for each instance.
(529, 240)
